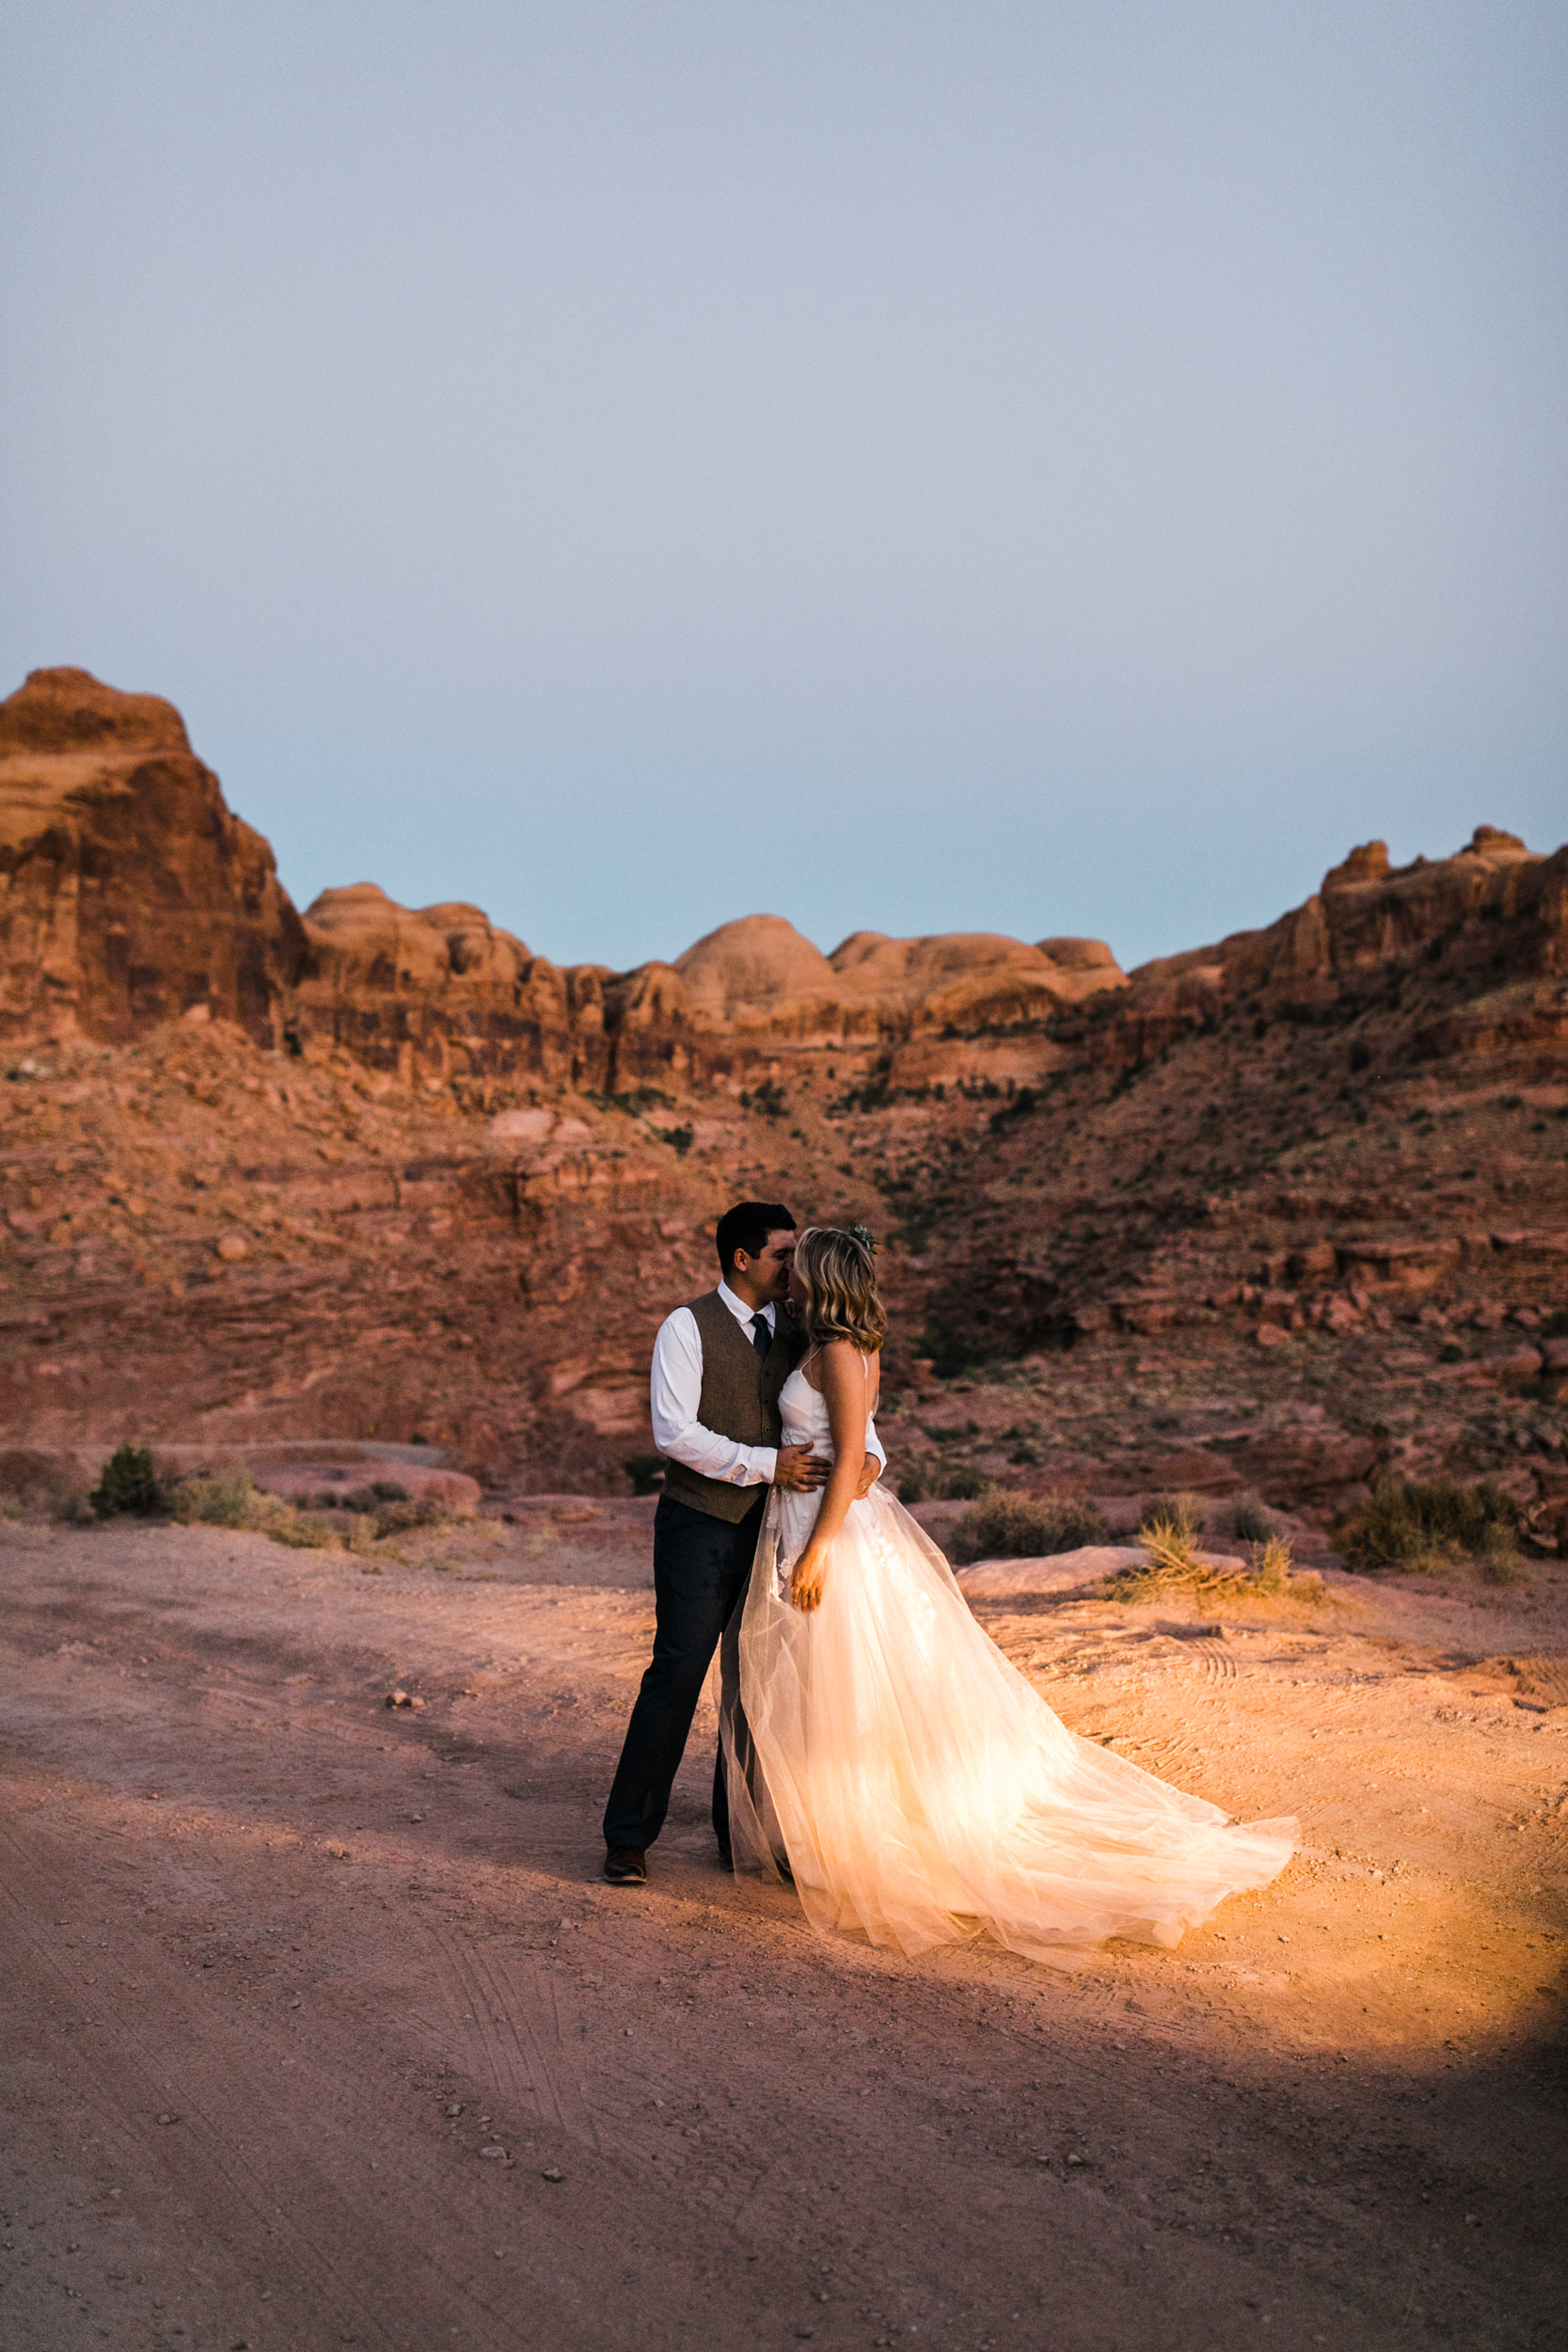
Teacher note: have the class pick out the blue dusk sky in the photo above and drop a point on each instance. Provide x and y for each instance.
(1075, 466)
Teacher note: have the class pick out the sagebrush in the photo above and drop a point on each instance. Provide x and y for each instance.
(1419, 1525)
(1024, 1527)
(238, 1502)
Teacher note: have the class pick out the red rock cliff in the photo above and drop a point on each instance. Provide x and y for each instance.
(131, 894)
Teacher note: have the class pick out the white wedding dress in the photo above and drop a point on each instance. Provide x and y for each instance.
(922, 1791)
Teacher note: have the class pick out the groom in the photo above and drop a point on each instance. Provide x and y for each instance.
(718, 1365)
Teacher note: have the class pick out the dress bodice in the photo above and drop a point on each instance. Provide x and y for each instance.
(804, 1411)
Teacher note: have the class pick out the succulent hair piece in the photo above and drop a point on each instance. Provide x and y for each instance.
(863, 1235)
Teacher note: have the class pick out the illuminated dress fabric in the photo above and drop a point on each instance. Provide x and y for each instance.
(922, 1791)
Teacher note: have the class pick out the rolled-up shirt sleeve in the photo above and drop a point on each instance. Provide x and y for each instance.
(674, 1393)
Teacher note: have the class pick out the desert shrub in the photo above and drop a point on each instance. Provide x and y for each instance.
(1250, 1522)
(205, 1501)
(238, 1502)
(127, 1482)
(1422, 1524)
(1024, 1527)
(947, 1349)
(1185, 1513)
(647, 1472)
(367, 1498)
(302, 1530)
(943, 1482)
(394, 1518)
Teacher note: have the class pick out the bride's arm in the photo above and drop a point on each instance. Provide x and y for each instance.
(845, 1393)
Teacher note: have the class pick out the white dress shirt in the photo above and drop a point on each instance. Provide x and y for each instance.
(675, 1391)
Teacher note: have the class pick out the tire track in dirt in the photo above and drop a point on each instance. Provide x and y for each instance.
(520, 2039)
(523, 2040)
(332, 2246)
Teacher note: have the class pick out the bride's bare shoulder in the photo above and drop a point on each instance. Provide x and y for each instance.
(840, 1360)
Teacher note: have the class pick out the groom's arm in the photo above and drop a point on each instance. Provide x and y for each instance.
(674, 1393)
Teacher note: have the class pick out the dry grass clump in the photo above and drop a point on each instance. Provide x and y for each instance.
(238, 1502)
(1172, 1565)
(1182, 1516)
(1419, 1525)
(1025, 1527)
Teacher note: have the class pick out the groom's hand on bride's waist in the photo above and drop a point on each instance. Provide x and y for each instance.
(798, 1470)
(801, 1471)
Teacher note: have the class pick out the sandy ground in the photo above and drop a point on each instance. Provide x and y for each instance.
(320, 2028)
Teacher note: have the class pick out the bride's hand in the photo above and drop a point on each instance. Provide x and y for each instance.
(805, 1585)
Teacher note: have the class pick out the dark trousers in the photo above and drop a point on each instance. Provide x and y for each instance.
(701, 1565)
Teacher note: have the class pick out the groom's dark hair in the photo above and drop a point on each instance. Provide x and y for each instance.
(747, 1227)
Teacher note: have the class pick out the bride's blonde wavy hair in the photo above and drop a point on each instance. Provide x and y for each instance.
(839, 1279)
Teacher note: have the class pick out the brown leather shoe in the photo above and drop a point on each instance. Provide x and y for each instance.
(625, 1865)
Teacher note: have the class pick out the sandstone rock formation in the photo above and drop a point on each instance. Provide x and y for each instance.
(1296, 1203)
(441, 993)
(135, 895)
(130, 894)
(1483, 923)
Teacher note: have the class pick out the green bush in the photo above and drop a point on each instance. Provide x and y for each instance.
(127, 1482)
(1419, 1525)
(1250, 1523)
(1025, 1527)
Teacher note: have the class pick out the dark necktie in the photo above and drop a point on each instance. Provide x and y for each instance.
(762, 1337)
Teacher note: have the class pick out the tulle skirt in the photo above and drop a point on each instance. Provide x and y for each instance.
(921, 1792)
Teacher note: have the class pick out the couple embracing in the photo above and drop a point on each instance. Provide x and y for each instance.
(876, 1747)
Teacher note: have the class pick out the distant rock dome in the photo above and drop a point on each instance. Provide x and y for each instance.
(759, 965)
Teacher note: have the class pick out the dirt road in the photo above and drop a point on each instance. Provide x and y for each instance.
(321, 2029)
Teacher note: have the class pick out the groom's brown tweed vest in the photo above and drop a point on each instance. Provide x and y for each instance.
(739, 1400)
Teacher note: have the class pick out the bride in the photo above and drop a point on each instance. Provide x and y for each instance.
(885, 1755)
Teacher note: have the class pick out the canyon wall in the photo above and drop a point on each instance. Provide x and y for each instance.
(1294, 1207)
(129, 894)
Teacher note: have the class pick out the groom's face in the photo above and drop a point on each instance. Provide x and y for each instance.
(767, 1275)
